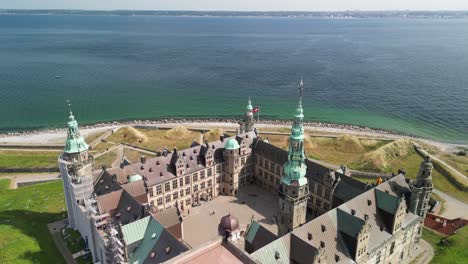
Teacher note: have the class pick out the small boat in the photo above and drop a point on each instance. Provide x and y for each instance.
(58, 76)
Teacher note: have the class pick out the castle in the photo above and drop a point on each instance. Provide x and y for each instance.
(122, 213)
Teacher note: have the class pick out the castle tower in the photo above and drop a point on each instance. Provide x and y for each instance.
(421, 190)
(76, 171)
(294, 190)
(231, 166)
(248, 122)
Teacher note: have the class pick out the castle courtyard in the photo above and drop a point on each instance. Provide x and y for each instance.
(201, 225)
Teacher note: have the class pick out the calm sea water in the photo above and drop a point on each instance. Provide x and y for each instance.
(409, 76)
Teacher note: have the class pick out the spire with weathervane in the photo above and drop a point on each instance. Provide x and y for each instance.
(295, 168)
(294, 190)
(75, 143)
(248, 122)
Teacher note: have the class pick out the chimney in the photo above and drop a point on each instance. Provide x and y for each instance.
(143, 159)
(221, 138)
(175, 150)
(104, 167)
(206, 144)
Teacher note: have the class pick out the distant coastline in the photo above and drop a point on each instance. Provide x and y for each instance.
(402, 14)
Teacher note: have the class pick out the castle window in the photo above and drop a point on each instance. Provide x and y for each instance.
(202, 174)
(218, 179)
(175, 195)
(218, 168)
(309, 236)
(151, 194)
(187, 179)
(167, 186)
(195, 177)
(195, 188)
(369, 202)
(187, 191)
(181, 193)
(158, 189)
(159, 201)
(353, 212)
(392, 247)
(168, 198)
(202, 186)
(187, 201)
(181, 182)
(210, 183)
(337, 258)
(210, 172)
(174, 184)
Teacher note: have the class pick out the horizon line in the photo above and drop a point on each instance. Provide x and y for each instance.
(245, 11)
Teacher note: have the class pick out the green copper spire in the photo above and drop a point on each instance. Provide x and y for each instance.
(75, 142)
(295, 168)
(249, 105)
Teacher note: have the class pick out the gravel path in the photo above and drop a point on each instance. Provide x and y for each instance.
(453, 208)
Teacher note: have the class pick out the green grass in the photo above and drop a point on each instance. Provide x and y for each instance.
(75, 242)
(106, 159)
(28, 159)
(24, 215)
(453, 251)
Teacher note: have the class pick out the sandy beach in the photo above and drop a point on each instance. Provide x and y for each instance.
(58, 135)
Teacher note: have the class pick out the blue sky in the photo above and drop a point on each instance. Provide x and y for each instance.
(244, 5)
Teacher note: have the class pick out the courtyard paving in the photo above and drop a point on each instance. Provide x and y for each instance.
(201, 225)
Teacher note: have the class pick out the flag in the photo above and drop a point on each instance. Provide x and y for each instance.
(255, 110)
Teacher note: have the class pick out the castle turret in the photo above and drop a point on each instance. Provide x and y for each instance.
(231, 166)
(294, 191)
(421, 190)
(248, 122)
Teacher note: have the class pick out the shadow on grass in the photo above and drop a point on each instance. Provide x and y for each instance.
(33, 225)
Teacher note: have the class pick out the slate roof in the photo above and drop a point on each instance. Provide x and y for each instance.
(147, 235)
(135, 189)
(108, 202)
(334, 229)
(106, 183)
(346, 189)
(258, 236)
(162, 168)
(128, 209)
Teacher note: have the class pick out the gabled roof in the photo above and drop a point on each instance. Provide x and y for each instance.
(128, 209)
(258, 236)
(336, 229)
(386, 202)
(108, 202)
(348, 224)
(135, 231)
(150, 236)
(161, 169)
(106, 183)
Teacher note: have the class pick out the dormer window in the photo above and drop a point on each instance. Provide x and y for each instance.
(324, 228)
(129, 208)
(309, 236)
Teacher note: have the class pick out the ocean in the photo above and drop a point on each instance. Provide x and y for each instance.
(405, 75)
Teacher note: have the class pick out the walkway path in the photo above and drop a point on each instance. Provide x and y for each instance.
(453, 208)
(30, 177)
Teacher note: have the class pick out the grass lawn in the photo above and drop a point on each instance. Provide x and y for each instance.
(28, 159)
(24, 214)
(135, 156)
(348, 152)
(454, 251)
(154, 139)
(106, 159)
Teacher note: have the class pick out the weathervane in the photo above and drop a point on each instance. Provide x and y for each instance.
(301, 88)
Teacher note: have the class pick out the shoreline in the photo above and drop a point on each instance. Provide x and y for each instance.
(48, 135)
